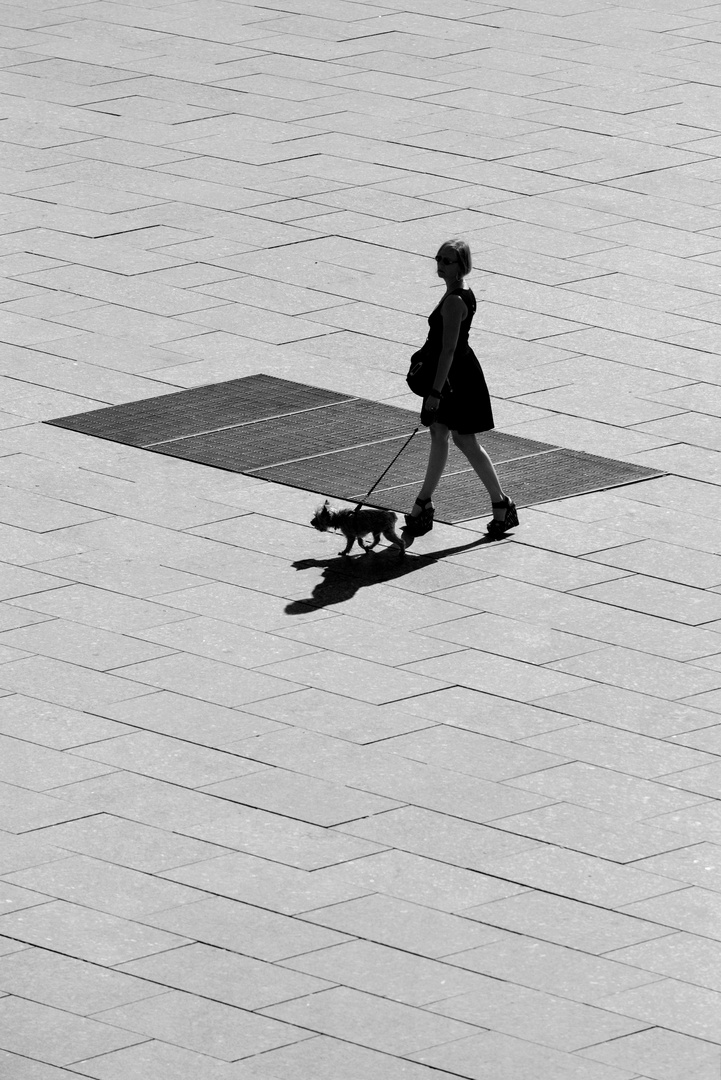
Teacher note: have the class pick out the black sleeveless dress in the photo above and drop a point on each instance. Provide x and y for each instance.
(466, 404)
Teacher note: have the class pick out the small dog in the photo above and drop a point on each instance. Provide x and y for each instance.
(355, 524)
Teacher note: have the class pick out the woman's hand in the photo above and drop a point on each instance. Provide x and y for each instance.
(430, 408)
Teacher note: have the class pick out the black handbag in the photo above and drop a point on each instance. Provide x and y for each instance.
(422, 370)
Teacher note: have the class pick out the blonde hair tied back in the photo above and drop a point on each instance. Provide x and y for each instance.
(463, 253)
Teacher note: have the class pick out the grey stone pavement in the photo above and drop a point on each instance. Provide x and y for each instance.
(265, 819)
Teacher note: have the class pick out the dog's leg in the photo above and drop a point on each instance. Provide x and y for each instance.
(349, 545)
(376, 541)
(392, 535)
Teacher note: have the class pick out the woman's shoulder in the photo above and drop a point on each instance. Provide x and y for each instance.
(460, 300)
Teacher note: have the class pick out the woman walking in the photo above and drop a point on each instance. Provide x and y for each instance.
(459, 404)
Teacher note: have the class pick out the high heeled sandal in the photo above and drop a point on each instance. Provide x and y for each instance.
(499, 526)
(420, 524)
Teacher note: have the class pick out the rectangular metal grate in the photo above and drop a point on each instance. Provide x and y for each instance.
(355, 470)
(336, 445)
(539, 478)
(204, 408)
(298, 435)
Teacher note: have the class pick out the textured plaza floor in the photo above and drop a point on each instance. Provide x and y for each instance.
(270, 815)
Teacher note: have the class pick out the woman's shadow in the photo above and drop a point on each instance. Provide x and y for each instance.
(344, 576)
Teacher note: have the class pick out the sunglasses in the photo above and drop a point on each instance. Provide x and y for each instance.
(445, 260)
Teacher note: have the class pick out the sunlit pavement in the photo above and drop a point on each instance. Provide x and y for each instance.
(272, 816)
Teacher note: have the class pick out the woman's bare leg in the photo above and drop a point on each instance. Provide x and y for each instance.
(483, 467)
(437, 459)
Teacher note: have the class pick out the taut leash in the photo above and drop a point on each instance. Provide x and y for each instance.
(387, 469)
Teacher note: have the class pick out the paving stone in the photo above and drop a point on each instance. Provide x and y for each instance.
(224, 976)
(363, 679)
(469, 752)
(139, 798)
(701, 570)
(52, 725)
(438, 836)
(188, 718)
(373, 769)
(54, 1035)
(16, 581)
(14, 898)
(26, 1069)
(691, 1010)
(106, 570)
(339, 716)
(164, 758)
(276, 837)
(678, 956)
(228, 924)
(567, 922)
(130, 843)
(152, 1057)
(85, 934)
(267, 884)
(19, 852)
(370, 1021)
(212, 680)
(570, 973)
(591, 831)
(660, 1054)
(704, 779)
(598, 789)
(504, 1057)
(692, 909)
(24, 810)
(225, 642)
(485, 672)
(655, 597)
(618, 707)
(387, 972)
(323, 1058)
(105, 887)
(301, 797)
(535, 1015)
(358, 638)
(410, 877)
(488, 714)
(697, 823)
(658, 676)
(401, 924)
(73, 643)
(70, 985)
(204, 1026)
(697, 865)
(234, 604)
(41, 768)
(66, 684)
(611, 748)
(578, 876)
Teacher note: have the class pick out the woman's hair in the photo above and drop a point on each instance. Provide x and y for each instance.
(463, 252)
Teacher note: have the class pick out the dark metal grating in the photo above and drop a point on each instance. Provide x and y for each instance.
(204, 408)
(350, 473)
(336, 445)
(539, 478)
(298, 435)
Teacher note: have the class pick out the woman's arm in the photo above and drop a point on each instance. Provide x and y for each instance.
(453, 312)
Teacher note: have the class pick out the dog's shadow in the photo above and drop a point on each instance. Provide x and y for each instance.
(343, 576)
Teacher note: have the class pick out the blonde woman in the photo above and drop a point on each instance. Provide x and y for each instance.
(459, 404)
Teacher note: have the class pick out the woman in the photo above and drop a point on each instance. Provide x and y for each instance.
(459, 403)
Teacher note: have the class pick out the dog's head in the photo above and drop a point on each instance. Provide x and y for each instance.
(322, 517)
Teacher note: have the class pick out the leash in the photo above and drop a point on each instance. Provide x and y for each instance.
(387, 469)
